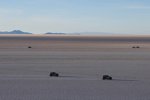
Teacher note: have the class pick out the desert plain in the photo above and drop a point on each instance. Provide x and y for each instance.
(81, 61)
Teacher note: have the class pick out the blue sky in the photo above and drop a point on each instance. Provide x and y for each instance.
(39, 16)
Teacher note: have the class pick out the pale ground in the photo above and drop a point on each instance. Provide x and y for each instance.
(81, 62)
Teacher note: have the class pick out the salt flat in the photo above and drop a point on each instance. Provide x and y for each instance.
(81, 62)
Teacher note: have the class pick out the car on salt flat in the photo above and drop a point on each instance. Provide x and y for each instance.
(53, 74)
(106, 77)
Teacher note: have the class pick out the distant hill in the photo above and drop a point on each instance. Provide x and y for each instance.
(96, 33)
(14, 32)
(55, 33)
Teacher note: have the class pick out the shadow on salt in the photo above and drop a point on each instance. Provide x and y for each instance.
(124, 80)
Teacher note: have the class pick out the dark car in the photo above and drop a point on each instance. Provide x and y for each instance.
(107, 77)
(53, 74)
(136, 47)
(29, 47)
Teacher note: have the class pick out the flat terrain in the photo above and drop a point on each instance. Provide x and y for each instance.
(81, 61)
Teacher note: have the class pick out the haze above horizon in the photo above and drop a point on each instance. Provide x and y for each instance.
(70, 16)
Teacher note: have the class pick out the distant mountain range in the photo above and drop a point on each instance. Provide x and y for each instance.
(55, 33)
(14, 32)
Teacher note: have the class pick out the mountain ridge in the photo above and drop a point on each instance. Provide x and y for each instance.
(14, 32)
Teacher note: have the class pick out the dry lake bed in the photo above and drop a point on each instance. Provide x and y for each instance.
(81, 61)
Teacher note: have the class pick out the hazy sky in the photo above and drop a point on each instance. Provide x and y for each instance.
(39, 16)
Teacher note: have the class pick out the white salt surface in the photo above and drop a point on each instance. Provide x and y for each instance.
(24, 73)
